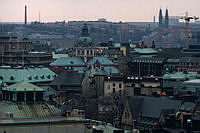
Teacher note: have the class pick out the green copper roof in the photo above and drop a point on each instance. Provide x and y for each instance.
(68, 61)
(56, 56)
(23, 86)
(35, 110)
(132, 45)
(180, 75)
(85, 40)
(13, 75)
(111, 69)
(146, 50)
(117, 45)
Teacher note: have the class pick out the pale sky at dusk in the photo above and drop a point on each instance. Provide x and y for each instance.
(112, 10)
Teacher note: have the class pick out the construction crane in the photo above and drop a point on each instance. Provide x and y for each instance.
(187, 19)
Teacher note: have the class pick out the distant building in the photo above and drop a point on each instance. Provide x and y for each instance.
(84, 47)
(163, 20)
(102, 20)
(146, 66)
(170, 80)
(17, 51)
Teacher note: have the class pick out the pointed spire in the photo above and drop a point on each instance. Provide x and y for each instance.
(160, 18)
(166, 18)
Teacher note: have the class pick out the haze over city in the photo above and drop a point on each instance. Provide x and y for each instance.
(112, 10)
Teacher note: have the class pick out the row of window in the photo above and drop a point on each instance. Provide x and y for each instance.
(114, 85)
(30, 77)
(82, 52)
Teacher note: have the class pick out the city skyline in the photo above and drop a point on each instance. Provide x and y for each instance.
(88, 10)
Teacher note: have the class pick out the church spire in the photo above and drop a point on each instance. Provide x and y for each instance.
(166, 19)
(160, 18)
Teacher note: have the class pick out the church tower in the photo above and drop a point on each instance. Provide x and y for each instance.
(85, 32)
(166, 19)
(160, 18)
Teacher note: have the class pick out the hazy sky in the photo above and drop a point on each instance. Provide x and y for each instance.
(112, 10)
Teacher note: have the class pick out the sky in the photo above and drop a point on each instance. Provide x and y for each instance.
(88, 10)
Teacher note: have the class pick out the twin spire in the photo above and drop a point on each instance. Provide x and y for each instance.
(164, 22)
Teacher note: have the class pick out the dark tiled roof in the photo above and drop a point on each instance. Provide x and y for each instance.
(68, 78)
(151, 106)
(101, 60)
(171, 53)
(188, 106)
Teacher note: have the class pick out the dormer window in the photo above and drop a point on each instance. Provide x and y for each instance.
(49, 76)
(30, 77)
(36, 77)
(12, 78)
(42, 76)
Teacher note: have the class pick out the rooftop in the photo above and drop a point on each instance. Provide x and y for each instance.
(68, 61)
(36, 110)
(101, 60)
(146, 50)
(23, 86)
(28, 74)
(152, 106)
(193, 81)
(180, 75)
(68, 78)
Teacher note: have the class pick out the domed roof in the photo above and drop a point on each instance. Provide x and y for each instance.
(85, 40)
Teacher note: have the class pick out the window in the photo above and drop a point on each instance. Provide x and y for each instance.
(120, 85)
(113, 90)
(113, 84)
(108, 87)
(13, 47)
